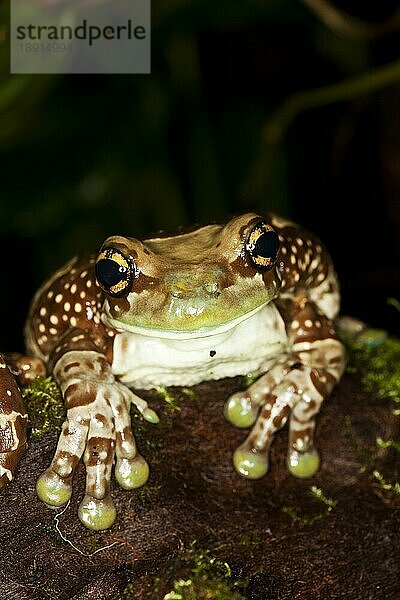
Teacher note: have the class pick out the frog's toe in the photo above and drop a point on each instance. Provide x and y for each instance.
(239, 410)
(52, 489)
(97, 514)
(250, 463)
(303, 464)
(131, 473)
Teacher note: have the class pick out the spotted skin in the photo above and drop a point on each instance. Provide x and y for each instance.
(176, 310)
(296, 387)
(13, 422)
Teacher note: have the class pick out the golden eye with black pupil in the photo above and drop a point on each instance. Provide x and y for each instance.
(114, 272)
(263, 246)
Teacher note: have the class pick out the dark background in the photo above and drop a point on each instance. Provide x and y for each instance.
(83, 157)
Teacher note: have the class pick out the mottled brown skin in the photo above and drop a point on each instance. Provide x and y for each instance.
(13, 420)
(210, 276)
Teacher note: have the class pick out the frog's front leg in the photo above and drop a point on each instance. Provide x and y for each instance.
(295, 387)
(98, 428)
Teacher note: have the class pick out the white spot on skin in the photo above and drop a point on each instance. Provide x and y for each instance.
(76, 338)
(299, 241)
(296, 277)
(53, 331)
(58, 298)
(50, 294)
(9, 393)
(73, 288)
(78, 307)
(283, 250)
(73, 321)
(295, 324)
(294, 249)
(67, 306)
(41, 328)
(88, 283)
(64, 318)
(308, 323)
(293, 259)
(42, 311)
(83, 274)
(318, 324)
(66, 286)
(53, 319)
(82, 294)
(321, 277)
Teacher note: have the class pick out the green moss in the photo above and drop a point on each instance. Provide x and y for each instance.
(387, 444)
(189, 393)
(296, 514)
(210, 579)
(379, 366)
(202, 589)
(389, 487)
(169, 399)
(365, 454)
(45, 406)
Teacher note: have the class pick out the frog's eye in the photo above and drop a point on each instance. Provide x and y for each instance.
(114, 272)
(263, 246)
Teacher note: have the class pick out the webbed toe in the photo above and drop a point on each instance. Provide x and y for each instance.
(97, 514)
(303, 464)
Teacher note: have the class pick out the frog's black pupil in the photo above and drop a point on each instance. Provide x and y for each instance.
(109, 273)
(267, 245)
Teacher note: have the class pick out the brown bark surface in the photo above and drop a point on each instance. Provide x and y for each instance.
(195, 497)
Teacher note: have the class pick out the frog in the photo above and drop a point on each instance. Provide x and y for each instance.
(257, 294)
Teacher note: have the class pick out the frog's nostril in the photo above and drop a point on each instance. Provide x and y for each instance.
(212, 289)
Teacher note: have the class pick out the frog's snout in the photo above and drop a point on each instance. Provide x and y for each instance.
(185, 290)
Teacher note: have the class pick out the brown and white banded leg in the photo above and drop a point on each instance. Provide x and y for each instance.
(131, 469)
(307, 378)
(13, 422)
(97, 425)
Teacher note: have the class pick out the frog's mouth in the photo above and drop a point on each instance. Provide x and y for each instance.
(174, 334)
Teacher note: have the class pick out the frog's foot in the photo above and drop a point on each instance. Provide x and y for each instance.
(303, 459)
(131, 469)
(97, 427)
(298, 395)
(251, 462)
(303, 464)
(251, 458)
(241, 408)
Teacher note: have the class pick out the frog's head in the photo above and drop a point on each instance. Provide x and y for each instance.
(192, 284)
